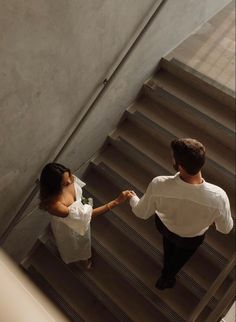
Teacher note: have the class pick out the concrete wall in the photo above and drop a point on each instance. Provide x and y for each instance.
(53, 55)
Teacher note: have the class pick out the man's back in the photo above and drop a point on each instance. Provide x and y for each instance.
(186, 209)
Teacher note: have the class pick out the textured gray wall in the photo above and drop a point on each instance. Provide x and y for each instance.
(53, 55)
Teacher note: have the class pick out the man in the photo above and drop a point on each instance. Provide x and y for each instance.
(185, 206)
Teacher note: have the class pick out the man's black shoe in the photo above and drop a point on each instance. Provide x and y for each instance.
(163, 283)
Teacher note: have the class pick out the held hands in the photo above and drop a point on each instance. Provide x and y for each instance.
(127, 194)
(124, 195)
(131, 194)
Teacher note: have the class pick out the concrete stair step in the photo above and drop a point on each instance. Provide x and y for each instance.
(144, 234)
(127, 176)
(145, 140)
(154, 143)
(52, 271)
(109, 285)
(129, 223)
(198, 81)
(135, 175)
(195, 98)
(140, 270)
(157, 115)
(136, 155)
(211, 127)
(57, 299)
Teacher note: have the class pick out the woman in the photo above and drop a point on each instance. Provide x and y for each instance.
(61, 196)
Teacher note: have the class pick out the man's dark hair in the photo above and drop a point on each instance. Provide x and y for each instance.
(189, 153)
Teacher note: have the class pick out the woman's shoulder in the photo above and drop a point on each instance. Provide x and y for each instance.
(57, 208)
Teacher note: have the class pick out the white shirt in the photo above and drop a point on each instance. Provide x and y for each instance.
(185, 209)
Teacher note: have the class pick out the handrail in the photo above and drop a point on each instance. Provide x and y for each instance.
(89, 106)
(213, 289)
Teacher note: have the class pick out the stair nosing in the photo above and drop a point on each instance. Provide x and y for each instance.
(120, 141)
(138, 115)
(85, 278)
(134, 281)
(135, 121)
(181, 67)
(186, 105)
(138, 105)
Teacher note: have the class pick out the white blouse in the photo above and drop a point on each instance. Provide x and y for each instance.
(80, 215)
(72, 233)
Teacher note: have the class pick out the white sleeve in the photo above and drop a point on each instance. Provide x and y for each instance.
(79, 182)
(144, 207)
(224, 221)
(79, 217)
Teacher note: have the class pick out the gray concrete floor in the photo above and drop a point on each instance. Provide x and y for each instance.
(211, 49)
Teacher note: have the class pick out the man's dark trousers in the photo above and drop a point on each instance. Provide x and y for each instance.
(177, 250)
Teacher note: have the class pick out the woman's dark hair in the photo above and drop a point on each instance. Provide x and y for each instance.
(51, 182)
(189, 153)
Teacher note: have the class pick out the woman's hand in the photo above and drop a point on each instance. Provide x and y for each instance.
(131, 194)
(122, 197)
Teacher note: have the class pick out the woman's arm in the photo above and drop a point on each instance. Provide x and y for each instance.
(102, 209)
(59, 210)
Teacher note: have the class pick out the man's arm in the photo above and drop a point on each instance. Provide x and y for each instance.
(144, 207)
(224, 222)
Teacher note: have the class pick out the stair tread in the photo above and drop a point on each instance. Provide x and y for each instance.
(121, 292)
(156, 145)
(124, 296)
(142, 266)
(199, 100)
(53, 295)
(76, 294)
(199, 81)
(138, 137)
(155, 148)
(177, 125)
(134, 173)
(193, 116)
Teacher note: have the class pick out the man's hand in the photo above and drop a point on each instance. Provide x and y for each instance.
(131, 194)
(122, 197)
(126, 194)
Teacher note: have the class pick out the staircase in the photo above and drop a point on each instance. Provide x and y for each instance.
(127, 250)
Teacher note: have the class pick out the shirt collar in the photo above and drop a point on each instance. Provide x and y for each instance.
(186, 184)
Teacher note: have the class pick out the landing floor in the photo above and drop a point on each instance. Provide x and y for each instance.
(211, 49)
